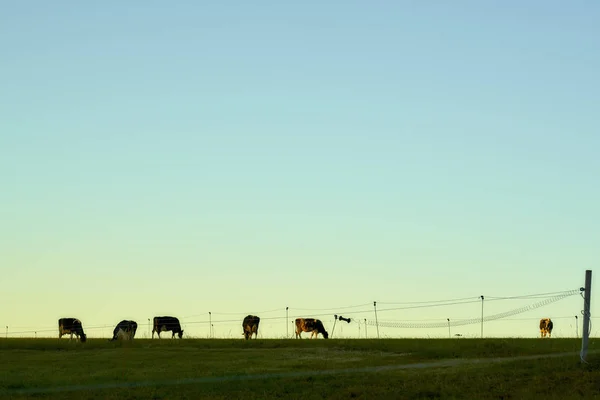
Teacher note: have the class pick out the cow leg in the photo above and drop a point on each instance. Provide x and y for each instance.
(71, 338)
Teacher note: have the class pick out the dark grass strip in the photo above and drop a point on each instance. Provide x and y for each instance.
(298, 374)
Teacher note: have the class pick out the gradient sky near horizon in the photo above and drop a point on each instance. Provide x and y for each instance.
(235, 157)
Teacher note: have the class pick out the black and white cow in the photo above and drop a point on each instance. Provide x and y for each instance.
(125, 330)
(250, 326)
(164, 324)
(71, 326)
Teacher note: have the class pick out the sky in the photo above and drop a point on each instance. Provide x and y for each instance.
(226, 157)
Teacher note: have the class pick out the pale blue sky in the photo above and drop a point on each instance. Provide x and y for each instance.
(180, 158)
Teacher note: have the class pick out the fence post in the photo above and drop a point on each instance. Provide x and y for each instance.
(587, 295)
(482, 316)
(334, 322)
(287, 327)
(366, 332)
(6, 332)
(376, 322)
(209, 325)
(576, 327)
(449, 335)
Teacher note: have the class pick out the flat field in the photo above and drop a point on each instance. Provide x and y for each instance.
(298, 369)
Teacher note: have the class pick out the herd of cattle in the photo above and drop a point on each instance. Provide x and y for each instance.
(125, 330)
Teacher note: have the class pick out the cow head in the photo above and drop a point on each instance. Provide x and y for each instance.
(325, 334)
(83, 338)
(180, 334)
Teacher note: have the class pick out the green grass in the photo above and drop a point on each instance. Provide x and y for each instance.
(294, 369)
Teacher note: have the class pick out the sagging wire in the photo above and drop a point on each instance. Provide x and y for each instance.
(331, 309)
(234, 313)
(430, 301)
(389, 324)
(537, 295)
(427, 305)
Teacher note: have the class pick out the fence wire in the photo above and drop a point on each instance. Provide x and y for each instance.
(470, 321)
(352, 311)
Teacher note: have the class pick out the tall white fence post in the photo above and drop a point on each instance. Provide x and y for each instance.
(482, 316)
(587, 295)
(376, 321)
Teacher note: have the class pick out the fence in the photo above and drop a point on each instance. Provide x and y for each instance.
(366, 320)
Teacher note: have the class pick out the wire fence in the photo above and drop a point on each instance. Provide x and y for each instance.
(520, 310)
(360, 315)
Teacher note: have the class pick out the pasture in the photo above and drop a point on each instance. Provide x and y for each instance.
(298, 369)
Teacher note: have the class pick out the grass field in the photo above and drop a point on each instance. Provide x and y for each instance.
(294, 369)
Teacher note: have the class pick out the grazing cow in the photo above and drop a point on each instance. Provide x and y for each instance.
(250, 326)
(163, 324)
(314, 326)
(125, 330)
(71, 326)
(546, 326)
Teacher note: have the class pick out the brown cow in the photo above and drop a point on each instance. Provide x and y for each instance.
(250, 326)
(314, 326)
(546, 326)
